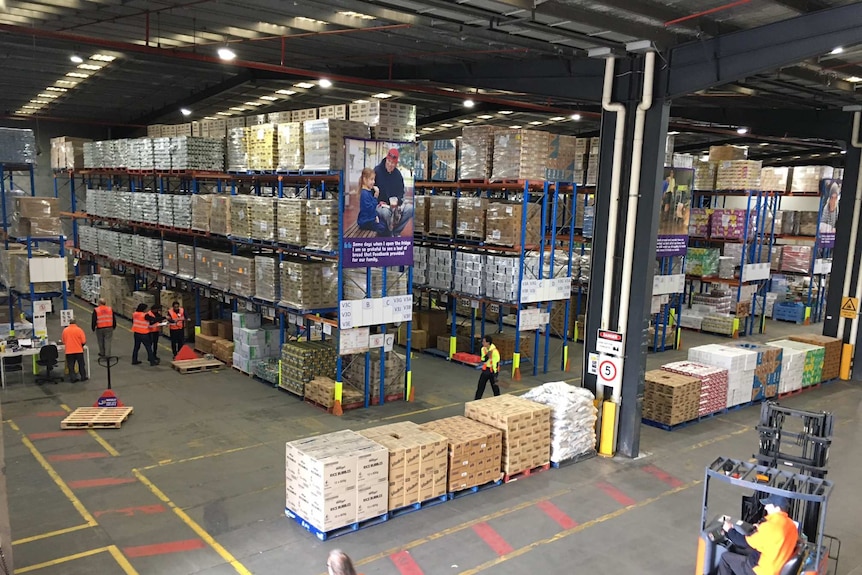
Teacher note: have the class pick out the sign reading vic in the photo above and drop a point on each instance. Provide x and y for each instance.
(378, 206)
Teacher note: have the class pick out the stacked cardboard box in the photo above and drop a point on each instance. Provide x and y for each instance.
(253, 344)
(203, 266)
(808, 223)
(739, 175)
(443, 160)
(469, 274)
(240, 216)
(812, 368)
(792, 368)
(806, 179)
(470, 217)
(562, 151)
(290, 221)
(698, 222)
(237, 150)
(290, 149)
(321, 390)
(308, 285)
(420, 215)
(418, 462)
(501, 278)
(377, 113)
(727, 153)
(115, 289)
(220, 271)
(421, 171)
(505, 344)
(302, 361)
(441, 215)
(262, 216)
(704, 176)
(336, 479)
(670, 398)
(321, 224)
(767, 375)
(186, 261)
(475, 451)
(36, 217)
(774, 179)
(393, 374)
(796, 259)
(713, 384)
(731, 224)
(440, 268)
(223, 350)
(242, 278)
(267, 278)
(702, 262)
(504, 221)
(67, 153)
(832, 352)
(356, 283)
(526, 427)
(262, 147)
(420, 265)
(169, 257)
(323, 142)
(740, 364)
(520, 155)
(476, 154)
(220, 214)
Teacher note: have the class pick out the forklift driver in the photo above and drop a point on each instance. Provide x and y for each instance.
(767, 548)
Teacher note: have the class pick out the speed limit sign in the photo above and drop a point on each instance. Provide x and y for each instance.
(610, 369)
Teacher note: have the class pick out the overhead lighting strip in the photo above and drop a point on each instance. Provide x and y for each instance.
(81, 73)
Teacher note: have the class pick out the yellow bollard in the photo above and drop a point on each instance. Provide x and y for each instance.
(453, 345)
(846, 361)
(336, 406)
(608, 442)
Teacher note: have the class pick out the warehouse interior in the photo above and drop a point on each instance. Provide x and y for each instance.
(746, 110)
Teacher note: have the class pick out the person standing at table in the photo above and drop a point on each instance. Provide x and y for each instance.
(155, 318)
(177, 323)
(141, 331)
(73, 338)
(104, 323)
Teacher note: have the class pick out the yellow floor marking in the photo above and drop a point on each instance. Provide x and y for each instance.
(577, 529)
(52, 534)
(165, 462)
(201, 532)
(113, 550)
(99, 439)
(76, 503)
(715, 440)
(459, 527)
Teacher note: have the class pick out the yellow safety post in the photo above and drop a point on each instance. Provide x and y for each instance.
(678, 338)
(197, 330)
(336, 406)
(846, 360)
(516, 366)
(608, 442)
(735, 327)
(807, 316)
(410, 385)
(453, 346)
(566, 356)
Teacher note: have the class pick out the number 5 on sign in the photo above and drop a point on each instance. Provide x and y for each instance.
(610, 370)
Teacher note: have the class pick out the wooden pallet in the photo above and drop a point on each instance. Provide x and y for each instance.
(508, 477)
(96, 417)
(196, 365)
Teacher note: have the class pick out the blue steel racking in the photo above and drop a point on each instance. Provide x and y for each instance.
(553, 234)
(302, 182)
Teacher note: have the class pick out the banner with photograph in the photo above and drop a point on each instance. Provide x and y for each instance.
(675, 212)
(830, 194)
(378, 204)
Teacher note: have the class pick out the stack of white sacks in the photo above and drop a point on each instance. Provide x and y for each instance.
(573, 418)
(739, 363)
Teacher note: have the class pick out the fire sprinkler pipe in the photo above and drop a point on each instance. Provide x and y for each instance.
(848, 349)
(634, 192)
(613, 208)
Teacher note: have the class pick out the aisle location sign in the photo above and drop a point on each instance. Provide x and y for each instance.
(610, 342)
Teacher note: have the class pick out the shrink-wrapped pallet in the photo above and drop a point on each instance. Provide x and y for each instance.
(201, 210)
(441, 216)
(203, 266)
(470, 217)
(291, 222)
(308, 285)
(262, 215)
(573, 418)
(321, 224)
(240, 216)
(520, 155)
(267, 278)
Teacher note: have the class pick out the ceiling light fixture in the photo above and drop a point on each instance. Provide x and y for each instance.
(837, 50)
(704, 158)
(843, 151)
(268, 98)
(92, 67)
(485, 117)
(311, 20)
(469, 103)
(47, 95)
(515, 127)
(742, 130)
(854, 79)
(224, 113)
(360, 15)
(251, 103)
(40, 102)
(360, 101)
(763, 144)
(103, 58)
(428, 129)
(674, 133)
(30, 107)
(239, 109)
(381, 95)
(185, 112)
(66, 82)
(226, 54)
(466, 121)
(76, 59)
(77, 75)
(576, 117)
(505, 112)
(557, 118)
(56, 89)
(446, 125)
(325, 83)
(304, 85)
(536, 123)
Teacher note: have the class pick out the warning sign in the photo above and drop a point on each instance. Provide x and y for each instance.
(849, 307)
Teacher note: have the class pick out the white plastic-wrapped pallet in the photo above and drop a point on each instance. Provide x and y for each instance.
(573, 418)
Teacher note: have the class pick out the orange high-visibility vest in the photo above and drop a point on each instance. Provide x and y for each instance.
(179, 318)
(104, 316)
(140, 323)
(153, 327)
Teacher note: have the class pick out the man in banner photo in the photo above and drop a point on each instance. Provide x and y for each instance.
(394, 212)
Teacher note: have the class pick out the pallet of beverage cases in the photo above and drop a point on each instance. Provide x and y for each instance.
(96, 418)
(325, 535)
(196, 365)
(525, 473)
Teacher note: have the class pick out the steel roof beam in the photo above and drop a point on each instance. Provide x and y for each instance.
(700, 65)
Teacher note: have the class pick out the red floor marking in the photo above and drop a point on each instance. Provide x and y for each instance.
(405, 563)
(55, 434)
(131, 511)
(104, 482)
(557, 514)
(50, 414)
(164, 548)
(663, 475)
(77, 456)
(494, 540)
(617, 495)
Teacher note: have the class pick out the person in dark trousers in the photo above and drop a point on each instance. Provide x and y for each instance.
(177, 326)
(141, 331)
(391, 208)
(104, 323)
(368, 219)
(155, 319)
(490, 367)
(768, 548)
(74, 339)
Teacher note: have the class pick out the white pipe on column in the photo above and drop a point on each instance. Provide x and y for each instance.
(854, 231)
(613, 210)
(634, 195)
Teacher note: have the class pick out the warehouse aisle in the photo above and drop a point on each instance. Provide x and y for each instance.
(193, 483)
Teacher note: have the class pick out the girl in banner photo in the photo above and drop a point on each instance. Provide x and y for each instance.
(368, 194)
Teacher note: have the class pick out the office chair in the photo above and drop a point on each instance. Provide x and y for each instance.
(48, 359)
(13, 364)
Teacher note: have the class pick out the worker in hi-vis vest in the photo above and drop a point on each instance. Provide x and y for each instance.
(104, 323)
(177, 323)
(141, 331)
(490, 367)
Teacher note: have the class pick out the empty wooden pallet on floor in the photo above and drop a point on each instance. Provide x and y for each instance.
(96, 417)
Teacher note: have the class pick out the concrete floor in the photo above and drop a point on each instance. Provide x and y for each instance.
(193, 483)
